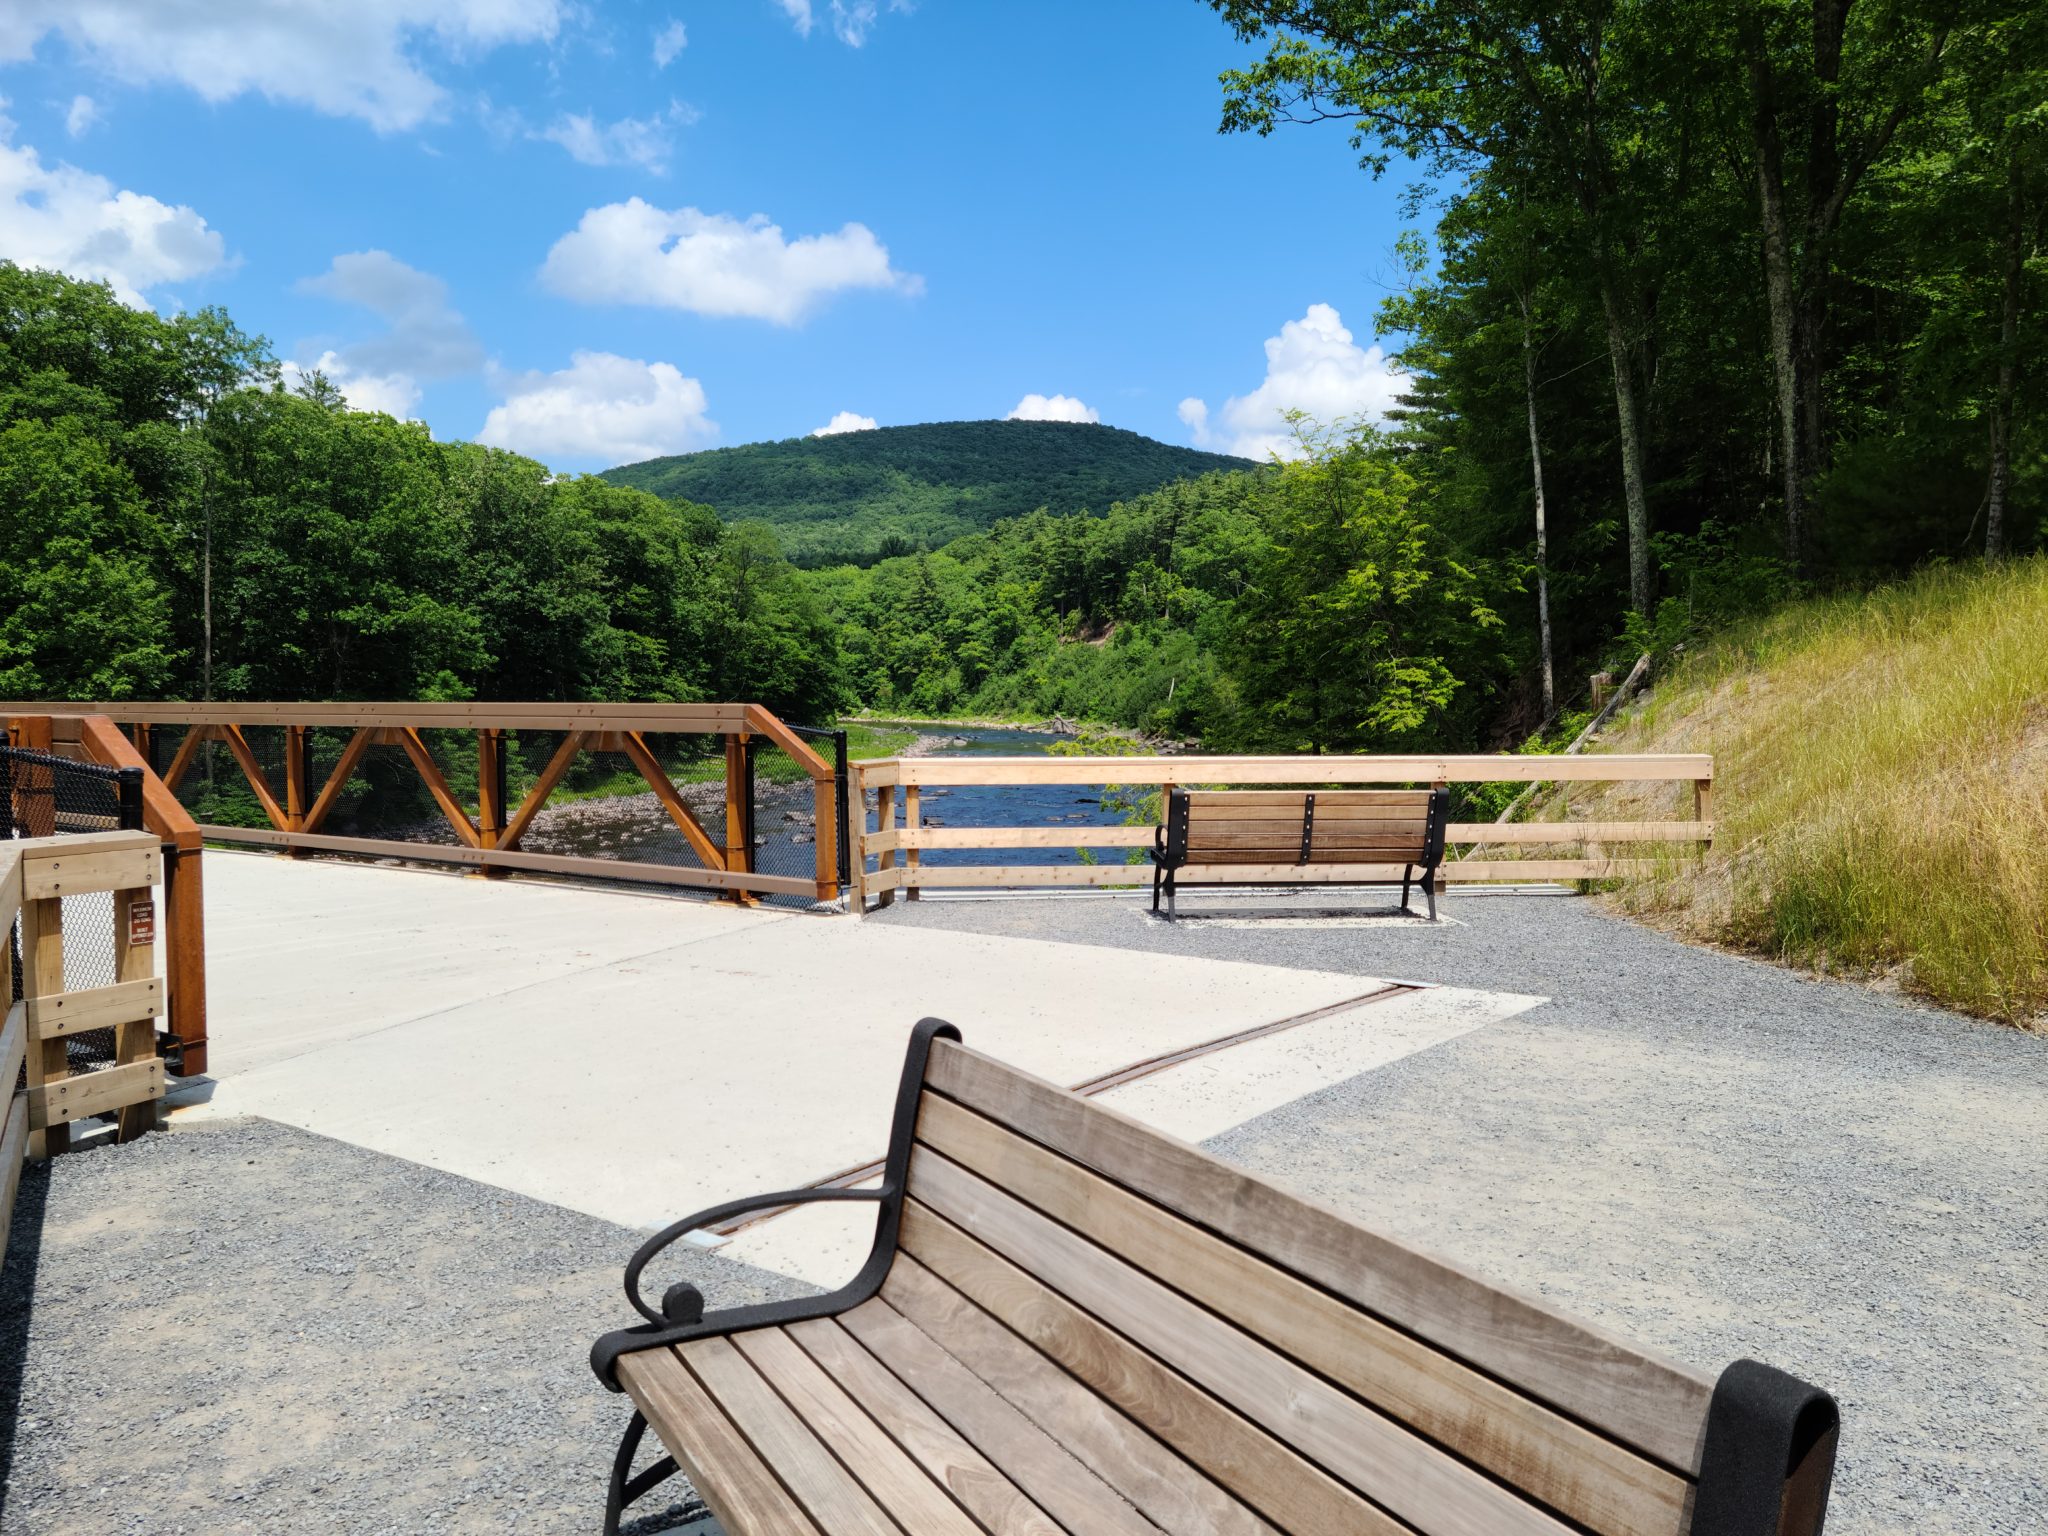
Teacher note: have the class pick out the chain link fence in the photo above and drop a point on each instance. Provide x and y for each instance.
(42, 795)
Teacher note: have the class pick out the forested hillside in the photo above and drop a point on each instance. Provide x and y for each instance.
(174, 525)
(860, 496)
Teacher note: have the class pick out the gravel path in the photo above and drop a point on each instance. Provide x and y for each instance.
(1715, 1156)
(244, 1328)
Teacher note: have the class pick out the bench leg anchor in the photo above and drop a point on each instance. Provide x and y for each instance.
(626, 1486)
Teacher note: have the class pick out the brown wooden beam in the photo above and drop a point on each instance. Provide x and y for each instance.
(181, 760)
(337, 781)
(437, 786)
(678, 809)
(536, 797)
(238, 745)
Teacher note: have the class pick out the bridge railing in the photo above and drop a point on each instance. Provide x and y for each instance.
(484, 826)
(1566, 850)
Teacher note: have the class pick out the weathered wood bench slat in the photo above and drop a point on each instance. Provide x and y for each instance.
(1414, 1480)
(1656, 1406)
(1162, 1487)
(830, 1494)
(1260, 1469)
(1038, 1464)
(1595, 1481)
(972, 1478)
(896, 1482)
(745, 1496)
(1073, 1325)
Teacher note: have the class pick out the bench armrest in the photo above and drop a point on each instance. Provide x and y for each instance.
(682, 1316)
(711, 1218)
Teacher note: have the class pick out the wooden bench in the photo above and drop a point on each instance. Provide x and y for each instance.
(1071, 1323)
(1269, 837)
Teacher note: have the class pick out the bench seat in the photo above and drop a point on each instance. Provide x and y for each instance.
(1072, 1323)
(1282, 837)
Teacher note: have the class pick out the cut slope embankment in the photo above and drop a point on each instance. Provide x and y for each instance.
(1881, 789)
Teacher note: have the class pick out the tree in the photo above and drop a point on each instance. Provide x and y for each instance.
(1556, 92)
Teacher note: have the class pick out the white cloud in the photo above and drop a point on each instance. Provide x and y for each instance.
(80, 116)
(643, 141)
(1053, 408)
(1312, 365)
(799, 14)
(393, 394)
(668, 42)
(851, 22)
(603, 409)
(713, 263)
(845, 421)
(77, 223)
(350, 58)
(424, 338)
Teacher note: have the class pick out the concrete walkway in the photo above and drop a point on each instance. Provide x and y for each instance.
(634, 1058)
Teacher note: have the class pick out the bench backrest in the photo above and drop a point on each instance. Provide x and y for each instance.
(1323, 826)
(1330, 1376)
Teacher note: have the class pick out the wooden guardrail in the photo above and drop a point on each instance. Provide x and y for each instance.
(897, 847)
(299, 807)
(37, 875)
(94, 738)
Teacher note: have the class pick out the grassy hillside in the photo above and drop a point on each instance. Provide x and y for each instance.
(855, 496)
(1882, 787)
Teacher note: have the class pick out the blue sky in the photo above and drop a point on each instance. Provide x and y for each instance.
(593, 232)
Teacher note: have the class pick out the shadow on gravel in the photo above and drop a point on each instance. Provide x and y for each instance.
(17, 1289)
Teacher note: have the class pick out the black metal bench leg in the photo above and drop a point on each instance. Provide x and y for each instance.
(1157, 872)
(1407, 877)
(626, 1486)
(1169, 895)
(1429, 890)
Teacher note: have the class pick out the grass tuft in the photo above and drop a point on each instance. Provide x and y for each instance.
(1881, 787)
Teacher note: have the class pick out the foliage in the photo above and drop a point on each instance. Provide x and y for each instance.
(144, 461)
(862, 496)
(1305, 608)
(1882, 803)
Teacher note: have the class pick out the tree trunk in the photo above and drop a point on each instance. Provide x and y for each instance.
(1778, 283)
(2008, 367)
(1628, 415)
(1542, 535)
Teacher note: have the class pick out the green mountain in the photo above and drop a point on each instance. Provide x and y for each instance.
(857, 496)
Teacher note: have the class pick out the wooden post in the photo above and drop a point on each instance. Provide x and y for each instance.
(1703, 811)
(739, 848)
(490, 795)
(35, 810)
(42, 975)
(825, 822)
(184, 919)
(298, 769)
(885, 863)
(136, 1040)
(856, 834)
(913, 818)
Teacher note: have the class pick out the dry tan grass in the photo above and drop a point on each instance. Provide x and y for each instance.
(1881, 787)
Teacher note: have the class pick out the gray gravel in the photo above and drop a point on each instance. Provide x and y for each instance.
(1714, 1156)
(247, 1328)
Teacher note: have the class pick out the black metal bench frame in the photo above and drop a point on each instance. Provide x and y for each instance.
(1170, 852)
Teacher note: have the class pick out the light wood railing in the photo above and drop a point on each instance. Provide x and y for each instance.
(897, 847)
(37, 875)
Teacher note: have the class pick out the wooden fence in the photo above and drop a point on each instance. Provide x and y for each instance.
(37, 874)
(94, 738)
(898, 847)
(299, 807)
